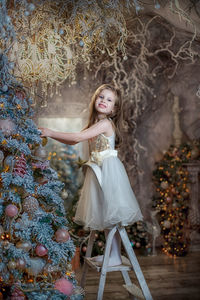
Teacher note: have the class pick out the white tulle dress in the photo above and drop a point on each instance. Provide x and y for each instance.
(106, 197)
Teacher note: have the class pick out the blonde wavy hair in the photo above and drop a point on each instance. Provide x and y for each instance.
(116, 116)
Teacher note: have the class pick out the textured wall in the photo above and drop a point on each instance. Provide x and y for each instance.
(156, 130)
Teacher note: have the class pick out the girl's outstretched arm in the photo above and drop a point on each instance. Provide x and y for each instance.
(103, 126)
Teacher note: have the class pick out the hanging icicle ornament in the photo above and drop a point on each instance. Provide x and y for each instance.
(1, 230)
(1, 158)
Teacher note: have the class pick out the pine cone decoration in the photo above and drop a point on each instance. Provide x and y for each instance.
(30, 205)
(20, 166)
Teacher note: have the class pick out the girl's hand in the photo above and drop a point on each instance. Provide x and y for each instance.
(45, 132)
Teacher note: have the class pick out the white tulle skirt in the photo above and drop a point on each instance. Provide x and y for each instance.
(106, 197)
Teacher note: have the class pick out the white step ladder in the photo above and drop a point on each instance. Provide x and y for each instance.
(127, 265)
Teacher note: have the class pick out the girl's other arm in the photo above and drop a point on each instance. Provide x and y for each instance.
(103, 126)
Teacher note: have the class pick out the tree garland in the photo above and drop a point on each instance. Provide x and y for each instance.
(172, 195)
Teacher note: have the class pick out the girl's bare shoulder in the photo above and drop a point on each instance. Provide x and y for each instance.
(106, 121)
(108, 126)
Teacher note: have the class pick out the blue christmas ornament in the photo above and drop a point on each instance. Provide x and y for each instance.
(4, 88)
(31, 7)
(61, 31)
(137, 8)
(26, 13)
(157, 5)
(11, 65)
(149, 250)
(70, 150)
(81, 43)
(8, 19)
(132, 243)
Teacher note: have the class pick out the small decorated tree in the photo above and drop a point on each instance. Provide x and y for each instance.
(171, 197)
(139, 237)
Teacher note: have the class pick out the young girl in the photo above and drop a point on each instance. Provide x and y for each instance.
(106, 197)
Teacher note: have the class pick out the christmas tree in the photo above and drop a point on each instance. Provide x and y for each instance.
(35, 245)
(172, 194)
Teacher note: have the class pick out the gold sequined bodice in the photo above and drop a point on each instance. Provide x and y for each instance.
(101, 143)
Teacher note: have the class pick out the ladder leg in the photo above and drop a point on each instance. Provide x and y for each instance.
(127, 280)
(135, 263)
(126, 277)
(105, 263)
(88, 254)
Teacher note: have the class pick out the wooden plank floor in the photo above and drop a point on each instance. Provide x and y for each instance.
(167, 278)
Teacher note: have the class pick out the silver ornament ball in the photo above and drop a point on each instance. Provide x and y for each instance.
(41, 152)
(12, 265)
(167, 224)
(164, 184)
(7, 126)
(36, 266)
(21, 264)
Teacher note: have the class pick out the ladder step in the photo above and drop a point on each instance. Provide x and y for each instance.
(125, 266)
(134, 290)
